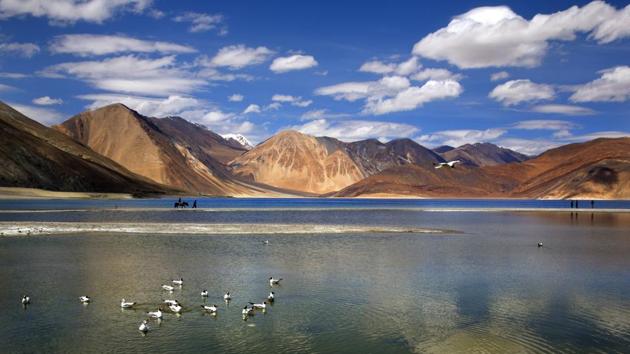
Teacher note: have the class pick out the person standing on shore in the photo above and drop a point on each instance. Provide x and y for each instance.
(592, 204)
(195, 204)
(571, 204)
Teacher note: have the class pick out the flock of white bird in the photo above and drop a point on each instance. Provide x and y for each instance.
(176, 308)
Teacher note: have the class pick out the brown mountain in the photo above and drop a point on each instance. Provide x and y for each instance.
(483, 154)
(35, 156)
(299, 162)
(170, 151)
(595, 169)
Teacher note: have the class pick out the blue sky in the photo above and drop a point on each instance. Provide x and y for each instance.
(527, 75)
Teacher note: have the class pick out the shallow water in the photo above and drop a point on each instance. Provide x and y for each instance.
(484, 288)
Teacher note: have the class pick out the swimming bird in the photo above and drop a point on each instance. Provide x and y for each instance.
(271, 297)
(248, 311)
(540, 244)
(266, 242)
(167, 287)
(124, 304)
(85, 299)
(273, 281)
(144, 327)
(227, 296)
(212, 309)
(262, 306)
(26, 300)
(175, 308)
(450, 164)
(155, 314)
(179, 281)
(171, 302)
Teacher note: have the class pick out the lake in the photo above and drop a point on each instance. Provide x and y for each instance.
(359, 276)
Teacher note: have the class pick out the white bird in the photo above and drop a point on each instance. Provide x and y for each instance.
(271, 297)
(175, 308)
(155, 314)
(124, 304)
(84, 299)
(266, 242)
(204, 293)
(167, 287)
(179, 281)
(248, 311)
(227, 296)
(450, 164)
(273, 281)
(26, 300)
(171, 302)
(144, 327)
(259, 306)
(213, 309)
(540, 244)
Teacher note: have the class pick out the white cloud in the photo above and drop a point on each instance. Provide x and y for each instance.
(4, 88)
(148, 106)
(274, 106)
(563, 109)
(414, 97)
(612, 86)
(460, 137)
(501, 75)
(531, 147)
(297, 101)
(496, 36)
(352, 130)
(240, 56)
(8, 75)
(45, 116)
(435, 74)
(349, 91)
(213, 74)
(293, 62)
(131, 74)
(322, 114)
(516, 91)
(602, 134)
(404, 68)
(47, 101)
(543, 124)
(235, 98)
(201, 22)
(252, 108)
(26, 50)
(94, 44)
(70, 11)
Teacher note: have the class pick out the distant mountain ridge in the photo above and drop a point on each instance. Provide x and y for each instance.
(239, 139)
(482, 154)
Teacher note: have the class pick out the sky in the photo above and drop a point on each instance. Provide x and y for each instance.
(526, 75)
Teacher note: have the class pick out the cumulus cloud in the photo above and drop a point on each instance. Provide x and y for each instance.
(414, 97)
(45, 116)
(349, 91)
(496, 36)
(403, 69)
(212, 74)
(70, 11)
(563, 109)
(435, 74)
(297, 101)
(235, 98)
(239, 56)
(9, 75)
(26, 50)
(501, 75)
(612, 86)
(94, 44)
(47, 101)
(293, 62)
(516, 91)
(460, 137)
(252, 108)
(202, 22)
(353, 130)
(131, 74)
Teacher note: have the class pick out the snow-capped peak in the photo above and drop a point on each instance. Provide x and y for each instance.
(239, 139)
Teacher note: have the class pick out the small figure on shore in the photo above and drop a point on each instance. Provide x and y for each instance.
(592, 204)
(194, 204)
(540, 244)
(576, 204)
(571, 204)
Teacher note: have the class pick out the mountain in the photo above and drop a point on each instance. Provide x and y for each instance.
(482, 154)
(239, 139)
(442, 149)
(299, 162)
(170, 151)
(321, 165)
(596, 169)
(35, 156)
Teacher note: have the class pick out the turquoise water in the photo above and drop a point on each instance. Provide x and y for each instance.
(483, 287)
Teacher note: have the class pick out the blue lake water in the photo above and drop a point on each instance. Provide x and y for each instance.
(482, 285)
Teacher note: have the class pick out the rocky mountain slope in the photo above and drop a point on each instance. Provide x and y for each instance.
(35, 156)
(482, 154)
(170, 151)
